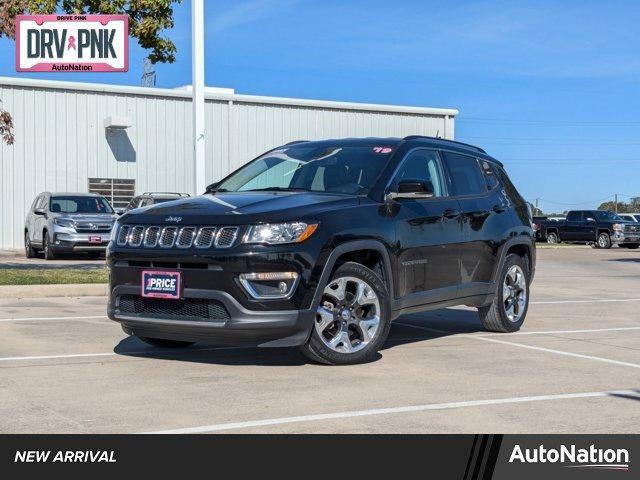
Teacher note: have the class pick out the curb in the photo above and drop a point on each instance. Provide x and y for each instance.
(48, 291)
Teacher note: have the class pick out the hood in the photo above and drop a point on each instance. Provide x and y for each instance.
(240, 208)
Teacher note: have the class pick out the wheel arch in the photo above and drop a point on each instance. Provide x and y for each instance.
(522, 246)
(361, 251)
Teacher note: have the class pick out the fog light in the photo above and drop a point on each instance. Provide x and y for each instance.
(269, 285)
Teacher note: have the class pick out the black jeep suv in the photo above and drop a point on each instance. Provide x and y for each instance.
(322, 244)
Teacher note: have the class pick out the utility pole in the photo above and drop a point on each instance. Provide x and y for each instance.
(537, 209)
(197, 79)
(616, 202)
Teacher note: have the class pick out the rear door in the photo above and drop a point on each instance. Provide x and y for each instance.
(427, 231)
(486, 219)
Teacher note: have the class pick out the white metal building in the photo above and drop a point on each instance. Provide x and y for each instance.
(69, 137)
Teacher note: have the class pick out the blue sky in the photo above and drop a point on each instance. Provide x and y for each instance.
(550, 88)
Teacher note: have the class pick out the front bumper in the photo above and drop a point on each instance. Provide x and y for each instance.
(238, 326)
(65, 241)
(214, 306)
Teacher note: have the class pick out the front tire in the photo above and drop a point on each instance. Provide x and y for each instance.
(604, 241)
(46, 248)
(509, 307)
(29, 251)
(163, 343)
(353, 318)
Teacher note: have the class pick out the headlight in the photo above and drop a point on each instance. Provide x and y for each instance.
(618, 227)
(65, 222)
(278, 233)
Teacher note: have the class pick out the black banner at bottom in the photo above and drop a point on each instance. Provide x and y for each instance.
(460, 457)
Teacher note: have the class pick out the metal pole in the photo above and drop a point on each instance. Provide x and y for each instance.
(197, 74)
(616, 203)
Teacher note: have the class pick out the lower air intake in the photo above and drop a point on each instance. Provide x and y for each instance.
(190, 309)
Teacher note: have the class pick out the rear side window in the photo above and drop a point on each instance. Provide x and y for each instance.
(490, 177)
(574, 216)
(466, 177)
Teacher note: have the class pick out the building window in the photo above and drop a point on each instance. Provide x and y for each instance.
(118, 191)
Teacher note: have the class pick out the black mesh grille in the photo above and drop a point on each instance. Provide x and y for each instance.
(194, 309)
(205, 237)
(151, 236)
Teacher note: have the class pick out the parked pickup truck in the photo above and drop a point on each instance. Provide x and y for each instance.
(599, 227)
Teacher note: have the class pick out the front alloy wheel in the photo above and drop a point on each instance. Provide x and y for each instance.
(604, 240)
(353, 318)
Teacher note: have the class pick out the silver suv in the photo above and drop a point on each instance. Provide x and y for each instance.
(68, 222)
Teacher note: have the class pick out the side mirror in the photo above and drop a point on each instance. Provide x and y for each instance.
(119, 211)
(39, 211)
(211, 187)
(412, 189)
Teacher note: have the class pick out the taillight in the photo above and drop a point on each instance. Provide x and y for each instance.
(536, 226)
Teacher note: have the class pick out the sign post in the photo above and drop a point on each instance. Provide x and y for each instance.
(197, 61)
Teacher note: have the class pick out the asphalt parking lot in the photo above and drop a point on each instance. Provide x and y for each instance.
(575, 367)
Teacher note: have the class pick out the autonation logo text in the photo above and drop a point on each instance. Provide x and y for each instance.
(592, 457)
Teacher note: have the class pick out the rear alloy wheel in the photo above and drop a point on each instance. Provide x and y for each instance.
(552, 238)
(29, 251)
(353, 318)
(604, 240)
(509, 307)
(46, 248)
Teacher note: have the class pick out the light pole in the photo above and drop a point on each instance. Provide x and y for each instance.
(197, 80)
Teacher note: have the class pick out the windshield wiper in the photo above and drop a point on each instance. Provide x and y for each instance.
(276, 189)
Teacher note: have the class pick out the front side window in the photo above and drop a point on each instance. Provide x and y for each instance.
(79, 204)
(331, 169)
(466, 177)
(422, 165)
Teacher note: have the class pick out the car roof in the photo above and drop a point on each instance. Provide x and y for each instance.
(73, 194)
(422, 140)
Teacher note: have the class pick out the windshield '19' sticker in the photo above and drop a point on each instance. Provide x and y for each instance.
(382, 149)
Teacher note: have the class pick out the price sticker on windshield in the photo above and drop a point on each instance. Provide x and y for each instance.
(382, 149)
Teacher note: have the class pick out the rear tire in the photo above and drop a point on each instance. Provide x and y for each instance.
(163, 343)
(29, 251)
(353, 318)
(46, 248)
(552, 237)
(604, 241)
(509, 308)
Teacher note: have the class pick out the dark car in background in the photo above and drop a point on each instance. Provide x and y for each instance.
(152, 198)
(601, 228)
(68, 223)
(322, 244)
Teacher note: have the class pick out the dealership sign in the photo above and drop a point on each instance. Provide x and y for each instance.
(72, 43)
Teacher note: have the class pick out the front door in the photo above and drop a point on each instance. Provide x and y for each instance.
(427, 231)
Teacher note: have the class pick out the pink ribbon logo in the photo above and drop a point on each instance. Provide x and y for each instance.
(72, 43)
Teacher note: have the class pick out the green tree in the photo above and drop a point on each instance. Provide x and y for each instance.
(622, 207)
(147, 20)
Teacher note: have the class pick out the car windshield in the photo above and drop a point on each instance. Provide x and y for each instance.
(80, 204)
(606, 215)
(332, 169)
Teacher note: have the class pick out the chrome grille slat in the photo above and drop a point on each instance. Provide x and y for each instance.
(205, 237)
(151, 237)
(185, 237)
(226, 237)
(177, 237)
(135, 237)
(123, 235)
(168, 237)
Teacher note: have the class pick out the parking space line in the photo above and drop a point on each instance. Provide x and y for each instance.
(601, 300)
(557, 352)
(34, 319)
(556, 332)
(393, 410)
(521, 345)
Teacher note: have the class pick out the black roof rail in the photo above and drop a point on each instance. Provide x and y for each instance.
(167, 193)
(412, 137)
